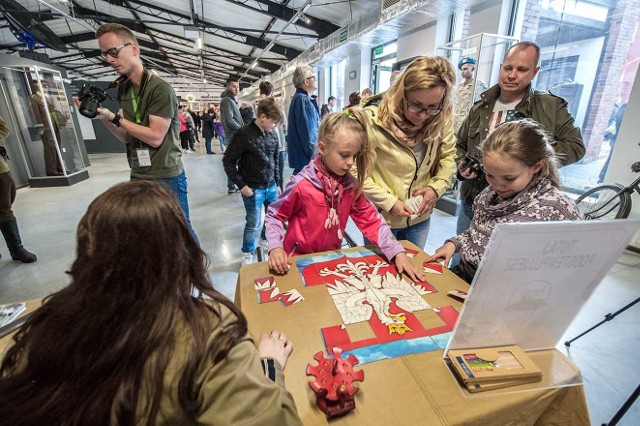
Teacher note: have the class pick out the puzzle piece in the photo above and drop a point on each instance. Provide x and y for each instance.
(432, 268)
(264, 283)
(291, 297)
(268, 295)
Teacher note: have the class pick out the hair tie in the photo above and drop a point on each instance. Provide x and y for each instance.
(346, 112)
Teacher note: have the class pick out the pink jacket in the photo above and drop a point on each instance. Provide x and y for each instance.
(314, 225)
(183, 122)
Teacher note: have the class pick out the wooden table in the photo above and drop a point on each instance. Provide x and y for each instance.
(412, 389)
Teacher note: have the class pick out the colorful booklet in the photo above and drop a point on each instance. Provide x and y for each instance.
(497, 364)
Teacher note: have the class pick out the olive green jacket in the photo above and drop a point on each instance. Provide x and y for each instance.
(235, 391)
(545, 108)
(396, 174)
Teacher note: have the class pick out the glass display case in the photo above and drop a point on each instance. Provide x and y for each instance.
(477, 62)
(45, 133)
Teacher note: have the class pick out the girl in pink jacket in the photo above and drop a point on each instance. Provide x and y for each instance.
(319, 200)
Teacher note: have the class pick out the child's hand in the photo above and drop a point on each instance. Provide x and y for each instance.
(246, 191)
(401, 209)
(404, 264)
(278, 261)
(275, 345)
(445, 253)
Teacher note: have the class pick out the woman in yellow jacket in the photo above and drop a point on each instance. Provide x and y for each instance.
(411, 133)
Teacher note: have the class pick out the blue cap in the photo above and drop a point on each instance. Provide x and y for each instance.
(466, 60)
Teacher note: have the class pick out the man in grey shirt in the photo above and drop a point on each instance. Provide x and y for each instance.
(230, 117)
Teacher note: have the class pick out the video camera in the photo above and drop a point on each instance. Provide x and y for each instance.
(474, 164)
(90, 99)
(91, 96)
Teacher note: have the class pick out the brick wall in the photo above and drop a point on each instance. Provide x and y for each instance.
(623, 19)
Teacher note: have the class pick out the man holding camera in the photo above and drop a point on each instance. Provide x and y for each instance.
(148, 117)
(511, 99)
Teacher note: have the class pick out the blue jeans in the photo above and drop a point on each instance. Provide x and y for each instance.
(283, 160)
(222, 145)
(207, 145)
(464, 212)
(178, 186)
(253, 206)
(417, 234)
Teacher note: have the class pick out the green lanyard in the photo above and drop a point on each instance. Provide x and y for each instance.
(134, 104)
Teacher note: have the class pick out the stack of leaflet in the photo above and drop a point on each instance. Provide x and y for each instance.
(10, 312)
(493, 368)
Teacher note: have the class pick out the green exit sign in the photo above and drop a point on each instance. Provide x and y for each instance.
(344, 35)
(378, 50)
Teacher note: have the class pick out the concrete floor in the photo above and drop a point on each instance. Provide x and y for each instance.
(48, 218)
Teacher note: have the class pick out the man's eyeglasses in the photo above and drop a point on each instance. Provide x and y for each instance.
(311, 76)
(418, 110)
(114, 52)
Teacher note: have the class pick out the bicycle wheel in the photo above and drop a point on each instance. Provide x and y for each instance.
(605, 202)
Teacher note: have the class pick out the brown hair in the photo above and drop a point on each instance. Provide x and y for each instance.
(425, 72)
(525, 141)
(525, 45)
(354, 98)
(266, 88)
(355, 120)
(97, 351)
(270, 109)
(118, 29)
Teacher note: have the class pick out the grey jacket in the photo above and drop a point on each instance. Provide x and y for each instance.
(230, 114)
(545, 108)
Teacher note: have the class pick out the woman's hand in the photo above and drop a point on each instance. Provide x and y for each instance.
(278, 261)
(445, 253)
(104, 114)
(429, 198)
(275, 345)
(401, 209)
(404, 264)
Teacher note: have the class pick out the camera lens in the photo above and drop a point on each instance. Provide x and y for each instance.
(89, 107)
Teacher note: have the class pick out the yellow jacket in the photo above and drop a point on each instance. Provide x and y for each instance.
(395, 175)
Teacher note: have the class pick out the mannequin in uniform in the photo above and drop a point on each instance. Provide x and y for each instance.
(462, 102)
(8, 223)
(51, 161)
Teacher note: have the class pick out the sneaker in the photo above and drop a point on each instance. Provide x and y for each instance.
(186, 151)
(233, 191)
(247, 258)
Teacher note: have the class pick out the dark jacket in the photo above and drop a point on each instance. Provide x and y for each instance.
(302, 132)
(547, 109)
(247, 115)
(252, 158)
(207, 125)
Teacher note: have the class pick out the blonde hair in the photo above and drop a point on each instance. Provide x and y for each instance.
(525, 141)
(355, 120)
(425, 72)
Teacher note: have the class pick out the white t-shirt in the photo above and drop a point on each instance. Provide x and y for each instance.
(502, 113)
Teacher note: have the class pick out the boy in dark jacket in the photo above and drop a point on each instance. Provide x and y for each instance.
(251, 162)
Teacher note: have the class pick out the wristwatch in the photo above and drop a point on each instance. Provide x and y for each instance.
(117, 118)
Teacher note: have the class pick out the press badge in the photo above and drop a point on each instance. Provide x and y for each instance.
(144, 159)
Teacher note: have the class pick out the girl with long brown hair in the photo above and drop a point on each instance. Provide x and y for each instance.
(127, 342)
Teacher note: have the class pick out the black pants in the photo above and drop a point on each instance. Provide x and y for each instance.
(184, 139)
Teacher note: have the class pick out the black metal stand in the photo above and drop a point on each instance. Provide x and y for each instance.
(632, 398)
(607, 317)
(625, 407)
